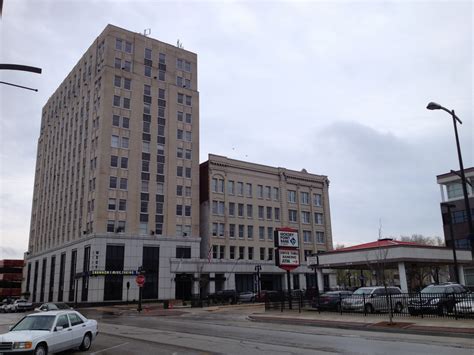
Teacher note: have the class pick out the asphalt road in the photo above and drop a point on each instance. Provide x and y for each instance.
(228, 331)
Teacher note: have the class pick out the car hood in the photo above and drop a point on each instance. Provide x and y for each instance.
(23, 335)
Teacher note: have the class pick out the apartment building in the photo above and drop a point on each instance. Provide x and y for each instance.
(452, 194)
(242, 204)
(117, 173)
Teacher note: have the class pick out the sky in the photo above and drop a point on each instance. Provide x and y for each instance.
(339, 88)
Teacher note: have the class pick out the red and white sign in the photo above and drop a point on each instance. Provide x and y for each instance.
(286, 238)
(140, 280)
(288, 259)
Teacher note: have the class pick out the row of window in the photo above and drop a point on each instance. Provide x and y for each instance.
(118, 121)
(183, 210)
(122, 45)
(116, 162)
(119, 142)
(219, 252)
(117, 204)
(241, 231)
(123, 102)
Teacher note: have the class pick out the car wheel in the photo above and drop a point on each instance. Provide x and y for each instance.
(369, 308)
(398, 307)
(41, 350)
(86, 342)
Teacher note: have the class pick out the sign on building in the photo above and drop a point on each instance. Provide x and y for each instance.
(286, 248)
(286, 238)
(288, 257)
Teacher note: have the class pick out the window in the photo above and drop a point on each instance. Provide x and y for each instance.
(260, 191)
(189, 118)
(161, 94)
(180, 98)
(188, 100)
(117, 81)
(188, 137)
(222, 252)
(318, 218)
(128, 47)
(187, 173)
(307, 237)
(127, 66)
(179, 152)
(188, 156)
(187, 191)
(214, 251)
(146, 147)
(179, 171)
(124, 162)
(118, 63)
(145, 186)
(160, 188)
(231, 209)
(270, 233)
(183, 252)
(304, 198)
(262, 253)
(125, 142)
(277, 214)
(179, 64)
(147, 53)
(320, 237)
(161, 75)
(218, 207)
(240, 188)
(248, 190)
(121, 227)
(113, 182)
(240, 210)
(270, 253)
(179, 210)
(118, 44)
(305, 217)
(230, 187)
(276, 193)
(179, 190)
(249, 211)
(187, 66)
(114, 161)
(292, 196)
(110, 226)
(250, 253)
(268, 192)
(112, 205)
(123, 183)
(217, 185)
(232, 252)
(250, 232)
(292, 216)
(122, 205)
(261, 212)
(241, 230)
(454, 190)
(179, 116)
(221, 229)
(179, 134)
(126, 103)
(214, 229)
(146, 90)
(261, 233)
(116, 101)
(241, 252)
(317, 200)
(232, 230)
(127, 84)
(143, 228)
(125, 122)
(269, 213)
(116, 120)
(187, 211)
(62, 322)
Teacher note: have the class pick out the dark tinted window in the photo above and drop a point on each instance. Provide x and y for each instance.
(75, 319)
(62, 321)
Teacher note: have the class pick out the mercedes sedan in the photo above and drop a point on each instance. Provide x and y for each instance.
(52, 332)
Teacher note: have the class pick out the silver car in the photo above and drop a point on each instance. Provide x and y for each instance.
(374, 299)
(53, 331)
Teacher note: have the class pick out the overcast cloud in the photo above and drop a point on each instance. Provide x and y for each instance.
(336, 87)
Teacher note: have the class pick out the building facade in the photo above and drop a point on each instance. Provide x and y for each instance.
(117, 173)
(452, 194)
(242, 204)
(11, 275)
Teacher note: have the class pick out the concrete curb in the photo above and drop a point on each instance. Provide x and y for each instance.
(409, 329)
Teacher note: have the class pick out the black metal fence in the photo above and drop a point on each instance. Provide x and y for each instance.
(450, 305)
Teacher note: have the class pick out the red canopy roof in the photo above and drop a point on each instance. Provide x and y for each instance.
(379, 244)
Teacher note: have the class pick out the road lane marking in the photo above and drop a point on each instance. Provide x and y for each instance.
(112, 347)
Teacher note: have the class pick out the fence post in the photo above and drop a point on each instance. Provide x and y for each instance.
(391, 304)
(454, 307)
(421, 304)
(365, 309)
(340, 302)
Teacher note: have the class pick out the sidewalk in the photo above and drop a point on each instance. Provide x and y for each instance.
(412, 325)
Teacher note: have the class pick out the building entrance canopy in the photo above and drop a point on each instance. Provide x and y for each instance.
(390, 253)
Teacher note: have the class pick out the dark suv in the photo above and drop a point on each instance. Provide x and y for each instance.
(437, 299)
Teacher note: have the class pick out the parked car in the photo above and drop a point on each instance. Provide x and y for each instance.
(374, 299)
(222, 296)
(21, 305)
(268, 295)
(330, 301)
(247, 296)
(439, 299)
(466, 306)
(5, 305)
(52, 331)
(50, 306)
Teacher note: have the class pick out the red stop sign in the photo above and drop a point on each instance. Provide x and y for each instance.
(140, 280)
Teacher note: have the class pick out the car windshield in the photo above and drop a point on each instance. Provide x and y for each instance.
(35, 323)
(363, 291)
(434, 289)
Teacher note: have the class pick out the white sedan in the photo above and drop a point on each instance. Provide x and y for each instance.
(52, 331)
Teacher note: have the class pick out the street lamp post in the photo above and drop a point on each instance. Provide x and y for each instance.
(257, 270)
(451, 232)
(435, 106)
